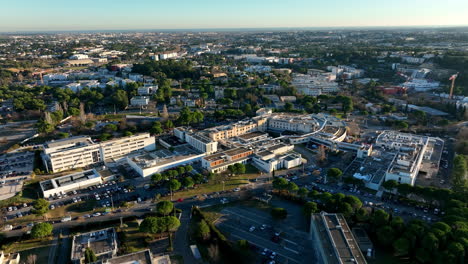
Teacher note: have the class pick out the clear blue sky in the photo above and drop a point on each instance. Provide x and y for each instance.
(184, 14)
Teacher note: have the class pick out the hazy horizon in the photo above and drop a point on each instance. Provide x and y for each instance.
(106, 15)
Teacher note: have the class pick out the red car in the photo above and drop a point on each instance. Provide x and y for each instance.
(180, 200)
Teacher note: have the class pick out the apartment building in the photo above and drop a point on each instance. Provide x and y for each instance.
(198, 140)
(237, 129)
(102, 242)
(139, 100)
(81, 151)
(219, 162)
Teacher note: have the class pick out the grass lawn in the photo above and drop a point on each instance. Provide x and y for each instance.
(216, 186)
(29, 244)
(135, 239)
(42, 254)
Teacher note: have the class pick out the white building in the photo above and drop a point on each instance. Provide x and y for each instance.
(421, 85)
(81, 151)
(79, 57)
(139, 100)
(199, 141)
(156, 162)
(315, 85)
(71, 182)
(102, 242)
(410, 151)
(147, 90)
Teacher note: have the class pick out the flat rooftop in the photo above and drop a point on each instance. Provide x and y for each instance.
(101, 242)
(164, 156)
(235, 151)
(78, 140)
(346, 247)
(68, 179)
(252, 135)
(140, 257)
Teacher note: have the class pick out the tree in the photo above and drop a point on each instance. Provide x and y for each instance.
(90, 257)
(280, 183)
(198, 178)
(188, 168)
(390, 184)
(380, 218)
(279, 213)
(385, 235)
(151, 225)
(302, 192)
(164, 207)
(334, 173)
(401, 246)
(157, 177)
(181, 170)
(430, 242)
(165, 113)
(40, 206)
(170, 223)
(353, 201)
(404, 189)
(174, 184)
(41, 230)
(240, 168)
(188, 182)
(156, 129)
(310, 208)
(292, 187)
(120, 99)
(346, 209)
(202, 230)
(459, 171)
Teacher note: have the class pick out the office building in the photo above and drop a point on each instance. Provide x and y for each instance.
(102, 242)
(81, 151)
(64, 184)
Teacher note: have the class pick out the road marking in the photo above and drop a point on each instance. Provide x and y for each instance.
(294, 251)
(279, 254)
(234, 213)
(289, 241)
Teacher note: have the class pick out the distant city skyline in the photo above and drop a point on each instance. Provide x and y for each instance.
(55, 15)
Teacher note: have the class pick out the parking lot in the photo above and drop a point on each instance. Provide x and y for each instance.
(274, 241)
(14, 169)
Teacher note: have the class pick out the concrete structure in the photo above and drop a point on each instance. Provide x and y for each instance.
(150, 163)
(139, 100)
(237, 129)
(81, 151)
(315, 84)
(70, 182)
(11, 258)
(148, 90)
(421, 85)
(220, 161)
(334, 240)
(198, 140)
(102, 242)
(140, 257)
(410, 151)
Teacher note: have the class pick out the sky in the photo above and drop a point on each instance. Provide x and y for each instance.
(57, 15)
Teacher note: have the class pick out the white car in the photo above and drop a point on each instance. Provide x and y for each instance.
(263, 227)
(236, 189)
(52, 206)
(252, 228)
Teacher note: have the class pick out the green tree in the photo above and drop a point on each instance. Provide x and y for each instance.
(334, 173)
(279, 213)
(157, 177)
(40, 207)
(41, 230)
(181, 170)
(120, 99)
(459, 172)
(385, 235)
(188, 182)
(353, 201)
(280, 183)
(170, 223)
(202, 230)
(188, 168)
(401, 246)
(164, 207)
(90, 257)
(174, 185)
(151, 225)
(390, 185)
(380, 218)
(310, 208)
(302, 192)
(292, 187)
